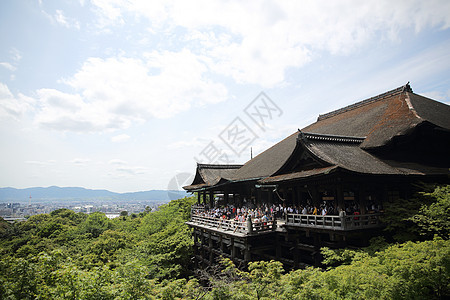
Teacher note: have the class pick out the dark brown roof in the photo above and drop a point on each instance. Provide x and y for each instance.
(341, 137)
(298, 175)
(432, 111)
(345, 138)
(348, 155)
(269, 161)
(383, 117)
(210, 174)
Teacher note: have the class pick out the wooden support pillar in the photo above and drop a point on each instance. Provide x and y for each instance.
(233, 250)
(202, 243)
(247, 254)
(258, 197)
(210, 248)
(363, 201)
(315, 195)
(359, 195)
(278, 247)
(211, 198)
(225, 196)
(204, 197)
(296, 254)
(340, 198)
(221, 243)
(317, 245)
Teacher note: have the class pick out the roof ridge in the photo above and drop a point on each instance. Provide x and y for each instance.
(396, 91)
(219, 166)
(331, 137)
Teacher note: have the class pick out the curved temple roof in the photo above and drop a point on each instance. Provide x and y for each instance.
(211, 174)
(383, 117)
(344, 139)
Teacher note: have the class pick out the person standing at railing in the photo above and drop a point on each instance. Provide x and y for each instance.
(305, 210)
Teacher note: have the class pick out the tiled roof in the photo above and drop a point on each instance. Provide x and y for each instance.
(344, 139)
(210, 174)
(394, 92)
(383, 117)
(269, 161)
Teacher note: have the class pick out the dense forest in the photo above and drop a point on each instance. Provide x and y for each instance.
(67, 255)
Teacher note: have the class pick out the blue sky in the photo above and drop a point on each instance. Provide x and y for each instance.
(127, 94)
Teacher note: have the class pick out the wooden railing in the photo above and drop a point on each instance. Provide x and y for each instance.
(350, 222)
(197, 208)
(233, 226)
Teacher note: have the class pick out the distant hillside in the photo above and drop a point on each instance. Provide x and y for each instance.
(81, 194)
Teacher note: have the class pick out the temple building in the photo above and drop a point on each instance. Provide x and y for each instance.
(347, 165)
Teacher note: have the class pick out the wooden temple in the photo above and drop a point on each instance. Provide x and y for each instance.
(352, 160)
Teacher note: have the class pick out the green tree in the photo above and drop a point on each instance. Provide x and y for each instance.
(435, 217)
(95, 224)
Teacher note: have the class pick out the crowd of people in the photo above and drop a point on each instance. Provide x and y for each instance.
(264, 212)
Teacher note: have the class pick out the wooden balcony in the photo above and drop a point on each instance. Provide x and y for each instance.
(344, 223)
(327, 222)
(232, 226)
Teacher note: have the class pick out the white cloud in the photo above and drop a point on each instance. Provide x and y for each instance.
(81, 161)
(12, 106)
(438, 95)
(256, 42)
(61, 19)
(251, 42)
(120, 138)
(8, 66)
(128, 170)
(69, 112)
(117, 162)
(196, 142)
(40, 163)
(122, 168)
(16, 54)
(114, 92)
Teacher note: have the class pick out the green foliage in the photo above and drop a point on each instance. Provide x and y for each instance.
(426, 214)
(64, 255)
(435, 218)
(95, 224)
(397, 218)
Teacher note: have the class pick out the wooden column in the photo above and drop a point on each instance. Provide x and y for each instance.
(202, 250)
(233, 250)
(363, 201)
(315, 195)
(210, 248)
(211, 198)
(296, 254)
(317, 246)
(225, 196)
(247, 254)
(204, 198)
(221, 243)
(340, 198)
(258, 197)
(278, 248)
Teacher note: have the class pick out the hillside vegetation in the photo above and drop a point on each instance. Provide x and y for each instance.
(67, 255)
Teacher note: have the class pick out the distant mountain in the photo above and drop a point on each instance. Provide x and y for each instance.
(81, 194)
